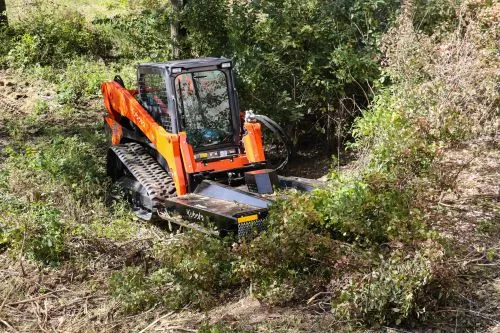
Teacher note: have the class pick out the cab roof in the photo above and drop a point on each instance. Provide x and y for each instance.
(188, 63)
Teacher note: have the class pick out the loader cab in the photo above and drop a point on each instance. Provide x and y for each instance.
(196, 96)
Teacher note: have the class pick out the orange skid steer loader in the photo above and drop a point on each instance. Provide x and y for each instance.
(180, 145)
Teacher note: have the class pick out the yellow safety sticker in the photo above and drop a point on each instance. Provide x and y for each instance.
(203, 155)
(248, 218)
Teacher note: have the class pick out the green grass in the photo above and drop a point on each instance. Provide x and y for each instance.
(16, 9)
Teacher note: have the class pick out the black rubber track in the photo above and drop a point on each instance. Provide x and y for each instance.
(145, 176)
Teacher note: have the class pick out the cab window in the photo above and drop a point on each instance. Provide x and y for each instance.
(153, 95)
(203, 105)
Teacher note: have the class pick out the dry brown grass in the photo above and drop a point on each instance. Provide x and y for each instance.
(449, 79)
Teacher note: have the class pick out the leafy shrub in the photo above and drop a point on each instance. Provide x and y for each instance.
(41, 107)
(58, 195)
(401, 135)
(34, 229)
(390, 141)
(207, 26)
(67, 159)
(297, 59)
(370, 210)
(201, 264)
(434, 16)
(116, 222)
(139, 35)
(291, 259)
(389, 293)
(7, 35)
(49, 36)
(44, 240)
(82, 78)
(378, 204)
(131, 286)
(192, 269)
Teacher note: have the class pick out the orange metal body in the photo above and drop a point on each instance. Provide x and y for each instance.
(174, 148)
(252, 142)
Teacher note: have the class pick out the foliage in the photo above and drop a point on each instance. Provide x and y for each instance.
(389, 292)
(131, 287)
(193, 269)
(299, 57)
(58, 193)
(34, 229)
(297, 259)
(434, 16)
(200, 264)
(369, 210)
(392, 142)
(207, 30)
(82, 79)
(7, 36)
(54, 36)
(139, 35)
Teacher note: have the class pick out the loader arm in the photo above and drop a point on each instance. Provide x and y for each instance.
(120, 102)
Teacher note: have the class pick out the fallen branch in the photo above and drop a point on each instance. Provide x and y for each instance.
(6, 297)
(28, 300)
(8, 325)
(472, 312)
(318, 294)
(178, 328)
(155, 321)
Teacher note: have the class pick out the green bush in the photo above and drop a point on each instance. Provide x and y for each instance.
(378, 203)
(434, 16)
(33, 229)
(389, 294)
(81, 80)
(68, 160)
(207, 26)
(44, 239)
(132, 287)
(7, 36)
(139, 36)
(369, 210)
(392, 141)
(201, 264)
(298, 59)
(192, 269)
(52, 36)
(291, 259)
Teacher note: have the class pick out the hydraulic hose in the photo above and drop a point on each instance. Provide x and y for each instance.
(278, 131)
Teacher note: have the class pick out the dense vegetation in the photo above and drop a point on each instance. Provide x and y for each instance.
(396, 86)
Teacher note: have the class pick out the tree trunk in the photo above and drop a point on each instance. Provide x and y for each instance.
(174, 28)
(3, 13)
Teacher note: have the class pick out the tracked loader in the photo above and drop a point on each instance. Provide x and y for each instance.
(182, 151)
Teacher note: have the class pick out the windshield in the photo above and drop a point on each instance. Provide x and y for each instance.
(203, 104)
